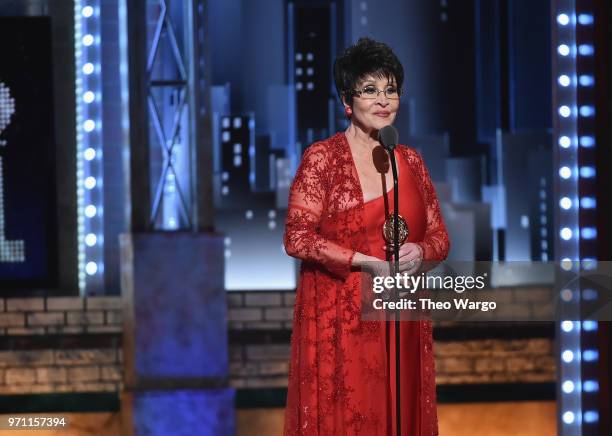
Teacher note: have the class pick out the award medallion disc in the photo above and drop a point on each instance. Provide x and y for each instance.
(388, 230)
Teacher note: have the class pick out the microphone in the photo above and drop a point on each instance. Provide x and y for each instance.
(388, 137)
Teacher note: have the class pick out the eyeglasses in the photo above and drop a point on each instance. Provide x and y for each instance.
(370, 92)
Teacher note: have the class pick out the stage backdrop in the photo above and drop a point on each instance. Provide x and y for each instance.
(28, 240)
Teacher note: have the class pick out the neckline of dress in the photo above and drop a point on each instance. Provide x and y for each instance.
(380, 197)
(346, 143)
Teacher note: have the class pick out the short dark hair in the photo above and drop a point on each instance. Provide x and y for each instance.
(366, 57)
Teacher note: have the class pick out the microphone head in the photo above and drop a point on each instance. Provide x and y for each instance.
(388, 137)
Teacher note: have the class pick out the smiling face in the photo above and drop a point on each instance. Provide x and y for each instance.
(372, 110)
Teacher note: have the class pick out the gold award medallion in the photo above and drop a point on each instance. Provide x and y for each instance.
(402, 227)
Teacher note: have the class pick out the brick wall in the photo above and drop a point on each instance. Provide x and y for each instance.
(40, 357)
(40, 352)
(495, 361)
(457, 361)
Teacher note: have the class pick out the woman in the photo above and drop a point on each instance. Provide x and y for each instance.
(340, 380)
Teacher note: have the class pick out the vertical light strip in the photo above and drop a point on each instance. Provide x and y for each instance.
(585, 67)
(567, 177)
(574, 114)
(89, 164)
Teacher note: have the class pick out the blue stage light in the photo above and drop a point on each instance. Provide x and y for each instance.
(591, 416)
(587, 111)
(587, 141)
(586, 49)
(587, 172)
(590, 355)
(588, 203)
(588, 233)
(590, 386)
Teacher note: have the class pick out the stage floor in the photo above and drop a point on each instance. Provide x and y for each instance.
(528, 418)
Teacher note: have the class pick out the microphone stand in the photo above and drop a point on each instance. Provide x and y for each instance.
(395, 270)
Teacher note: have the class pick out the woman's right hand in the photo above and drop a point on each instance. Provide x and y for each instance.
(372, 265)
(377, 267)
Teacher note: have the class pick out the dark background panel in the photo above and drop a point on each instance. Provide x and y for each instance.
(29, 154)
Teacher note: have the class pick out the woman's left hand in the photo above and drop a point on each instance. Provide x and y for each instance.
(410, 257)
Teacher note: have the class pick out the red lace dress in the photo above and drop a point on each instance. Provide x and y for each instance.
(339, 378)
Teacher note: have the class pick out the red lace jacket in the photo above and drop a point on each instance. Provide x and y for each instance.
(337, 371)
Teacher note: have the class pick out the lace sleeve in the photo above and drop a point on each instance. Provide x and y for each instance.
(436, 243)
(307, 199)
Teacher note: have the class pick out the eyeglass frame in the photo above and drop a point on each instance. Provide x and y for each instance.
(378, 91)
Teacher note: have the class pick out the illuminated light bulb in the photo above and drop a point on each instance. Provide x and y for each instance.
(88, 68)
(565, 203)
(563, 19)
(565, 111)
(587, 172)
(87, 11)
(91, 268)
(564, 80)
(585, 19)
(565, 141)
(590, 355)
(588, 203)
(588, 233)
(568, 387)
(587, 141)
(567, 356)
(587, 111)
(565, 172)
(566, 295)
(586, 49)
(566, 233)
(90, 182)
(590, 386)
(91, 239)
(563, 49)
(89, 154)
(90, 211)
(88, 40)
(566, 263)
(567, 326)
(89, 97)
(568, 417)
(89, 125)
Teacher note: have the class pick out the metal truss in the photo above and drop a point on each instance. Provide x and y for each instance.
(168, 138)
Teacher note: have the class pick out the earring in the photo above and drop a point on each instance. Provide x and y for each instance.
(348, 111)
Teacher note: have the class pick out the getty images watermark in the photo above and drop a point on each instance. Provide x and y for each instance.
(406, 283)
(489, 291)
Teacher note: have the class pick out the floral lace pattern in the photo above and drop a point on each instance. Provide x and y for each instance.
(337, 380)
